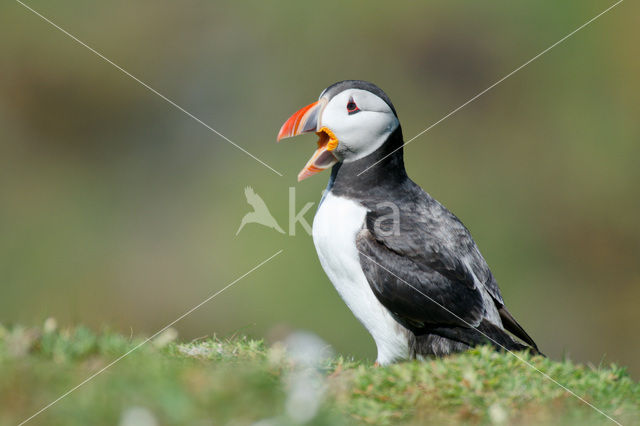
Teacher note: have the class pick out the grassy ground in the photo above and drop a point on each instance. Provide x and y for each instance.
(242, 381)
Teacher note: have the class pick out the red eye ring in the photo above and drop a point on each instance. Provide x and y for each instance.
(352, 108)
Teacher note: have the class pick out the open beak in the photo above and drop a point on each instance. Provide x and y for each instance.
(305, 121)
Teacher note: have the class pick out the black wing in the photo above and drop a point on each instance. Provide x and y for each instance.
(409, 279)
(429, 257)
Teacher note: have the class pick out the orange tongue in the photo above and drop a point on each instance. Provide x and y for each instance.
(323, 158)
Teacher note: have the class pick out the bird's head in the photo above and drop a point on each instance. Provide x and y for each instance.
(352, 118)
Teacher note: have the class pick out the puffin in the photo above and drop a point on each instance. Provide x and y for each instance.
(407, 268)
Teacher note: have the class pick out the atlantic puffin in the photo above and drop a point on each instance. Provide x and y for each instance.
(406, 266)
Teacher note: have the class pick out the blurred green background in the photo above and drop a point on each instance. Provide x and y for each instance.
(116, 208)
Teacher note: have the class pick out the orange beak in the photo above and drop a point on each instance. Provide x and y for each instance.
(305, 121)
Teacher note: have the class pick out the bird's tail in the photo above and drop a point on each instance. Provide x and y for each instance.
(441, 341)
(511, 325)
(501, 340)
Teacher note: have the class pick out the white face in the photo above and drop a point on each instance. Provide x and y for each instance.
(361, 122)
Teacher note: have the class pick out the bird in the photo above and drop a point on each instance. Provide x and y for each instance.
(260, 213)
(407, 268)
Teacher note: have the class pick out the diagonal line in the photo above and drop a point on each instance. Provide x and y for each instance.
(149, 338)
(496, 83)
(498, 344)
(150, 88)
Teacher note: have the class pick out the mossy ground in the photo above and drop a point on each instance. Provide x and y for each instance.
(243, 381)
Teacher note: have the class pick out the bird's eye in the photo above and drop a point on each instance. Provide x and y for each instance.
(352, 108)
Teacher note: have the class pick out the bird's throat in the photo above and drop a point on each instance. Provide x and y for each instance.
(382, 168)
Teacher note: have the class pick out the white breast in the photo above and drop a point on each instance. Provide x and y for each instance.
(335, 227)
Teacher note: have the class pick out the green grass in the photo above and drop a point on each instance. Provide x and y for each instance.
(241, 381)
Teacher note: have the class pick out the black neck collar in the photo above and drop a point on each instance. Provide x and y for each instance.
(387, 171)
